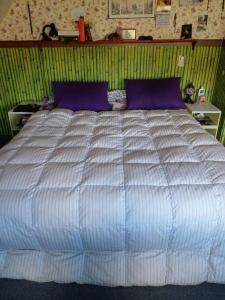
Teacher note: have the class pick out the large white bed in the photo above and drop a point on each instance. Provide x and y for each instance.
(113, 198)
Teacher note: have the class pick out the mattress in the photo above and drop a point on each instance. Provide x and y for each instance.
(113, 198)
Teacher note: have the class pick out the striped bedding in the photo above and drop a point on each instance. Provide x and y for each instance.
(113, 198)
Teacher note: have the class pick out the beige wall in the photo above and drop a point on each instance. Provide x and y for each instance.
(4, 6)
(15, 24)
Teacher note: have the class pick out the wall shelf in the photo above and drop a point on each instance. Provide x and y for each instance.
(56, 44)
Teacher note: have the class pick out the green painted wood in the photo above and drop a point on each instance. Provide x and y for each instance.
(20, 79)
(26, 74)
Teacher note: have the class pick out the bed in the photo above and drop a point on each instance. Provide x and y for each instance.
(133, 197)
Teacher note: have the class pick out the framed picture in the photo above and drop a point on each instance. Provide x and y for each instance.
(163, 6)
(202, 23)
(131, 9)
(186, 31)
(126, 33)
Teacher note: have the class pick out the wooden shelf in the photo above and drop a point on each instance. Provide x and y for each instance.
(167, 42)
(209, 110)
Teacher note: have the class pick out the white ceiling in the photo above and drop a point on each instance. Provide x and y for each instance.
(4, 6)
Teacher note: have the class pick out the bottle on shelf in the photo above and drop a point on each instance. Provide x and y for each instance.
(81, 29)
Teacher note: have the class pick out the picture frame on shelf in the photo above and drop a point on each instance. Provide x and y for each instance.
(126, 9)
(127, 33)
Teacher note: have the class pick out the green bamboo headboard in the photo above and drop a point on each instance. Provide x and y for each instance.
(27, 73)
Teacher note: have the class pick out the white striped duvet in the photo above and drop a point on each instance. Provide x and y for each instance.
(113, 198)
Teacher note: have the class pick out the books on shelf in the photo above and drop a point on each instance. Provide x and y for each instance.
(32, 107)
(68, 35)
(203, 120)
(73, 35)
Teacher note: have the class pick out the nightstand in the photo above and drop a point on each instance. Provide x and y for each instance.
(15, 117)
(207, 115)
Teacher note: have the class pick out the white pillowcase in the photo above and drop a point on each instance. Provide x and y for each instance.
(118, 99)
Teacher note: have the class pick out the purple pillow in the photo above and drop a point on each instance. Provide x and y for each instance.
(154, 94)
(76, 95)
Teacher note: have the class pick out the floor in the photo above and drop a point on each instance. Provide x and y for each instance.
(24, 290)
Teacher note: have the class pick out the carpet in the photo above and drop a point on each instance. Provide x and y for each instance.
(24, 290)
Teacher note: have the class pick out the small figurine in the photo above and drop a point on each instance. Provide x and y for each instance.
(48, 103)
(201, 95)
(49, 32)
(113, 36)
(190, 91)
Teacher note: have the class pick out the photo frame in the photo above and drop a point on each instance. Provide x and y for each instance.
(186, 31)
(163, 6)
(126, 9)
(127, 33)
(202, 23)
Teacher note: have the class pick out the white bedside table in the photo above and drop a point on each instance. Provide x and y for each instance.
(208, 110)
(16, 116)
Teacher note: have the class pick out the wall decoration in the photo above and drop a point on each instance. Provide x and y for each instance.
(131, 8)
(162, 20)
(186, 31)
(202, 23)
(163, 5)
(190, 2)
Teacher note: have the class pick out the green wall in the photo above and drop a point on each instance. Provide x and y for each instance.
(27, 73)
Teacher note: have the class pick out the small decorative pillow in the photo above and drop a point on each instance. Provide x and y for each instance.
(154, 94)
(117, 99)
(77, 95)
